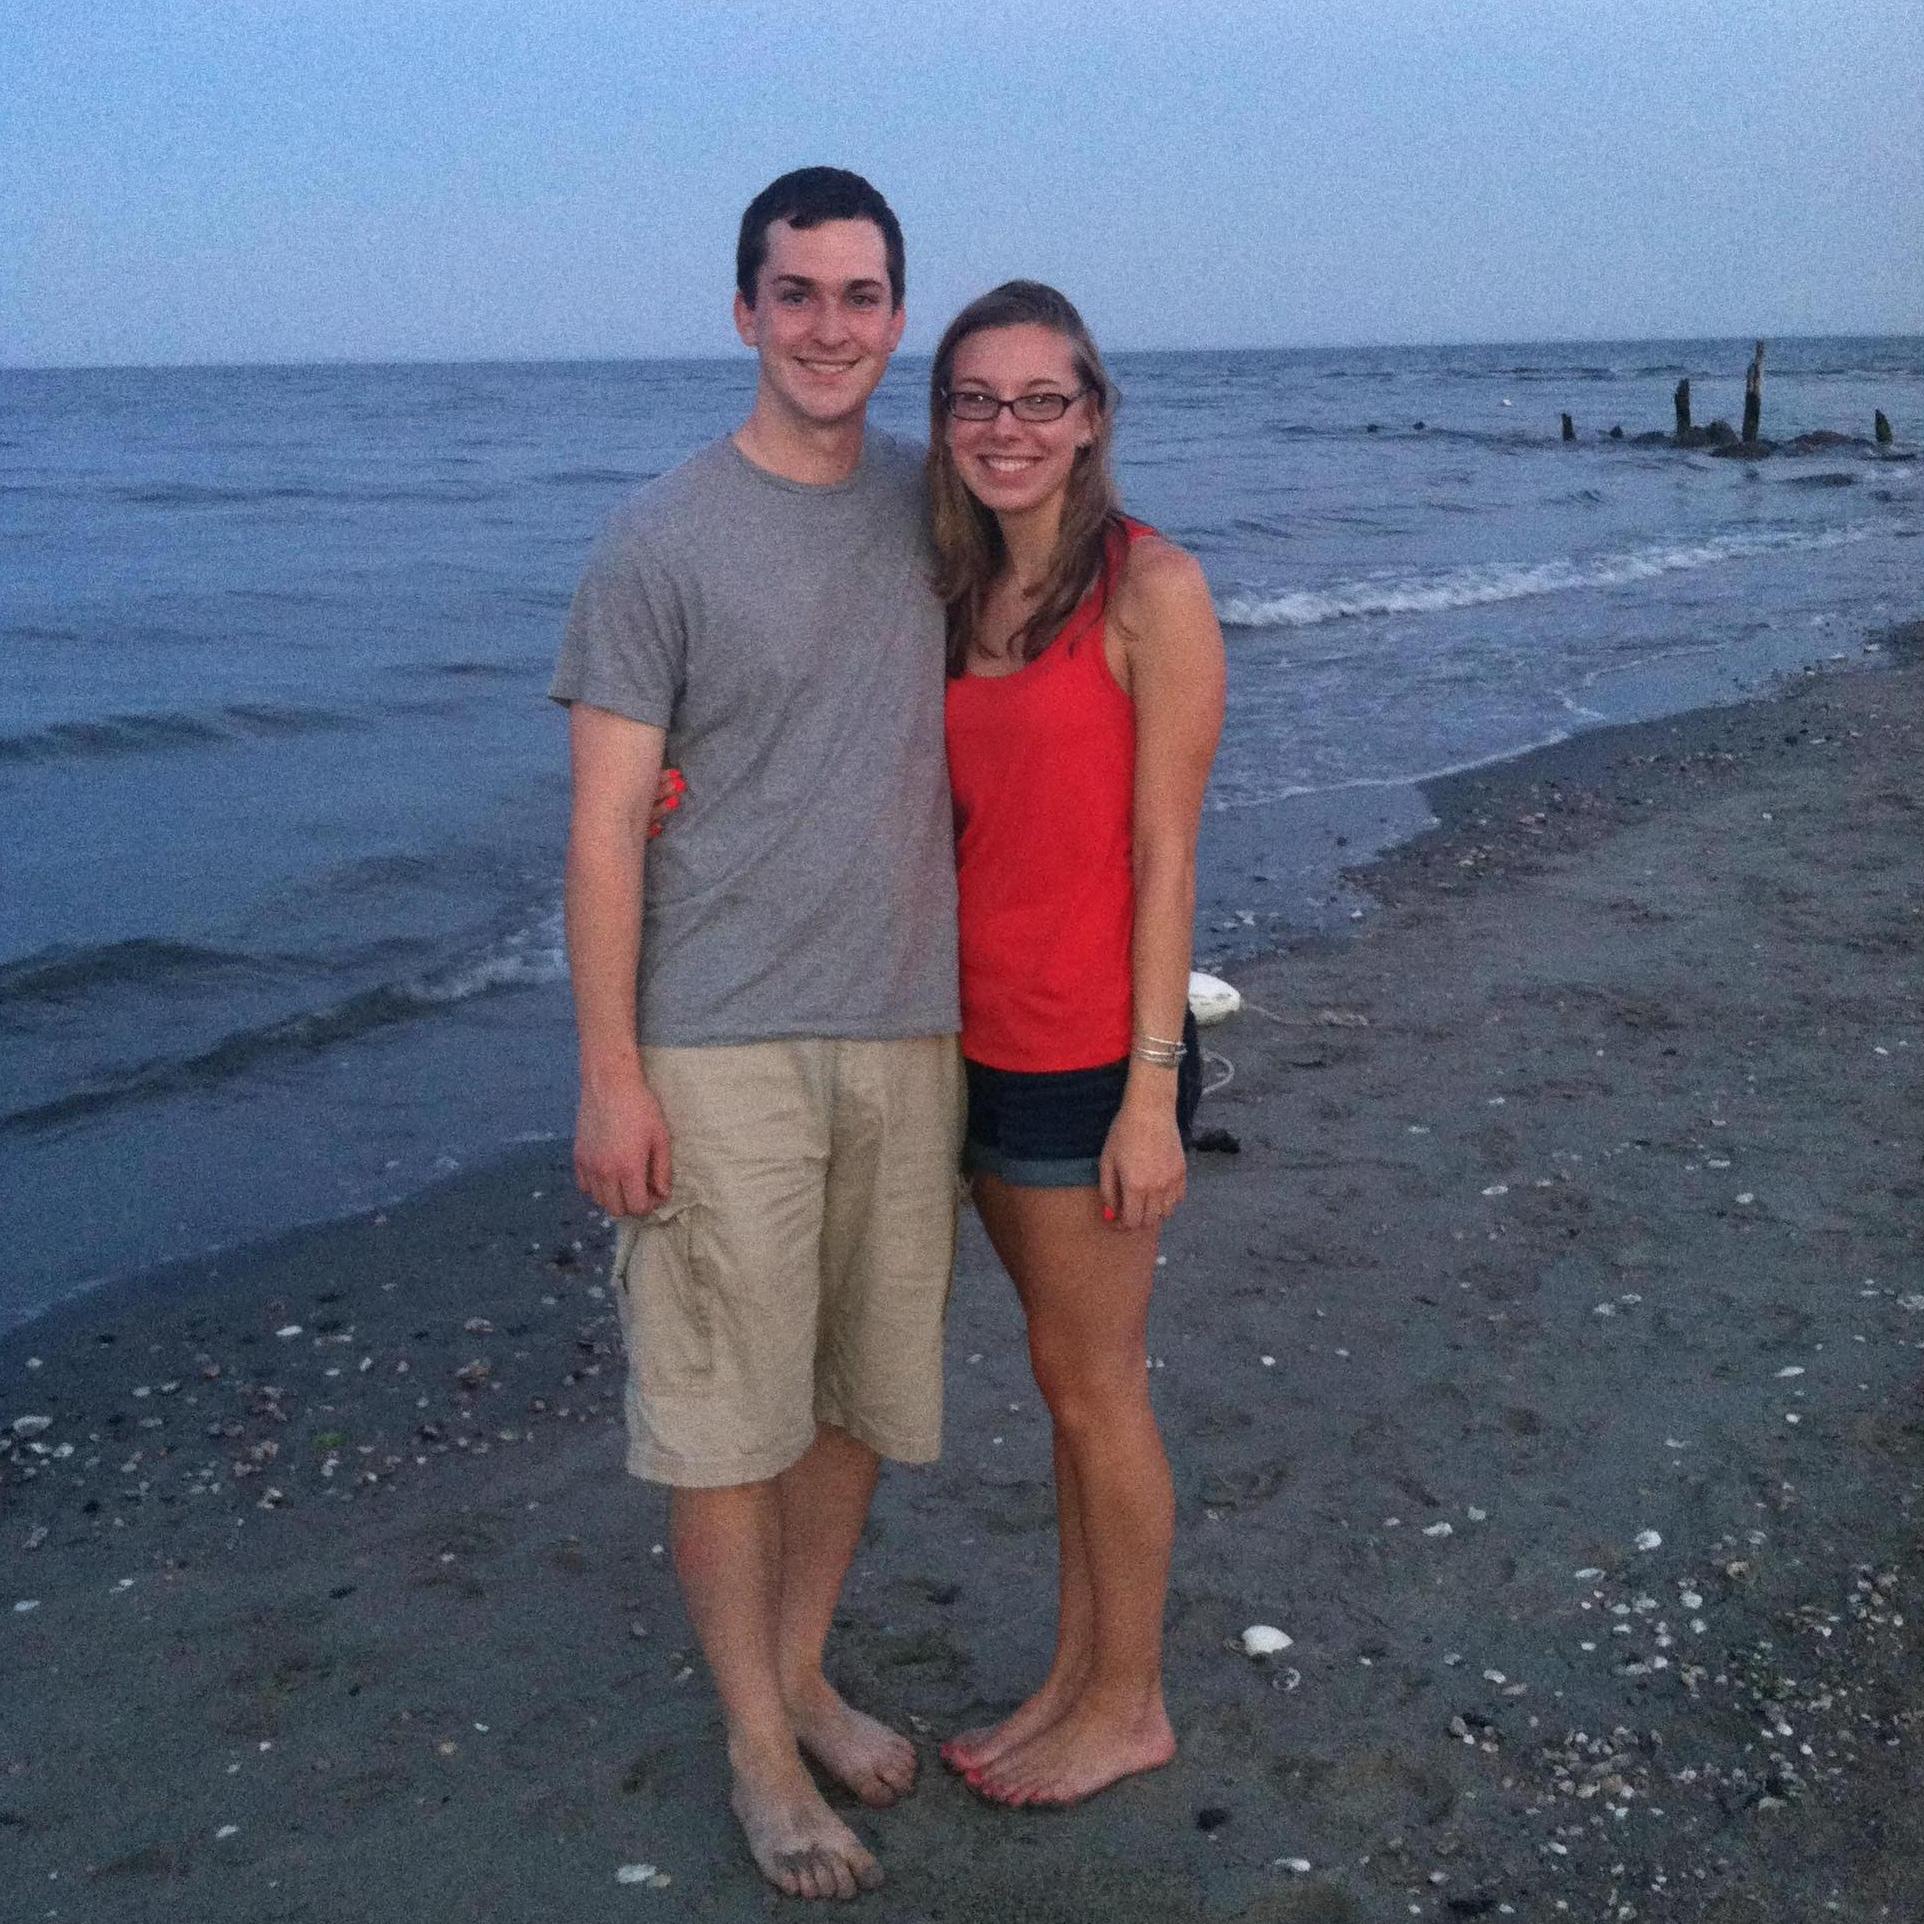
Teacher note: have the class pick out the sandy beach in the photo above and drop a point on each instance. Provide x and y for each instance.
(1544, 1363)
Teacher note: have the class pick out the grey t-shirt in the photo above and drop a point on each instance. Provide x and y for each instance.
(787, 638)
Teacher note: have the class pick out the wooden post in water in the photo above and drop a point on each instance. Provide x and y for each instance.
(1883, 430)
(1569, 429)
(1754, 395)
(1682, 401)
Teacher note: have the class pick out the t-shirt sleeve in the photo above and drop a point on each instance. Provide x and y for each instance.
(625, 647)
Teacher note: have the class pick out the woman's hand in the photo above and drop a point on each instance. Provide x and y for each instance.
(1142, 1174)
(669, 789)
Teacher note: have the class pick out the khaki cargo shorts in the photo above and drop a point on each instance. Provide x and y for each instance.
(799, 1272)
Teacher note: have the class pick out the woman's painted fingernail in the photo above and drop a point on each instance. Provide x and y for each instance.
(1108, 1214)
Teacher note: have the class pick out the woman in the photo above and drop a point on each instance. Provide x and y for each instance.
(1083, 706)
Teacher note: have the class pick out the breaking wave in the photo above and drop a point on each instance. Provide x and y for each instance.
(1472, 587)
(527, 956)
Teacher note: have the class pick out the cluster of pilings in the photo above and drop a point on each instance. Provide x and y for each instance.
(1748, 443)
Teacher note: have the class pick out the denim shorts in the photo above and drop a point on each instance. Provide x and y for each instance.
(1046, 1129)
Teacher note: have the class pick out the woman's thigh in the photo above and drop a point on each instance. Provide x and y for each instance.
(1084, 1283)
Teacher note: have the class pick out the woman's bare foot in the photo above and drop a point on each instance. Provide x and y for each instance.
(797, 1842)
(972, 1750)
(1086, 1750)
(867, 1757)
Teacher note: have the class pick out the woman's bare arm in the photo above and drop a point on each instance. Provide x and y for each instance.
(1172, 663)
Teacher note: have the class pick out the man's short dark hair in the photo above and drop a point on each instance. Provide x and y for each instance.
(806, 198)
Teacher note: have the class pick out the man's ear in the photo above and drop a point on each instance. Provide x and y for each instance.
(895, 332)
(747, 322)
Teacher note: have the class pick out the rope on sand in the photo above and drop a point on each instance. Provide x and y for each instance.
(1212, 1060)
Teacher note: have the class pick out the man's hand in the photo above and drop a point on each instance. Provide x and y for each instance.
(621, 1148)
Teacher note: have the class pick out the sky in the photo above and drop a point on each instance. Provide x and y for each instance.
(318, 180)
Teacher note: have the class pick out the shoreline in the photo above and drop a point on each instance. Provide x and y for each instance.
(1545, 1364)
(1389, 817)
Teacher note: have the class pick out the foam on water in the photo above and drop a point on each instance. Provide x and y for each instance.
(1480, 586)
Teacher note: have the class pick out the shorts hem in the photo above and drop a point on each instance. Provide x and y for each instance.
(892, 1444)
(1032, 1172)
(714, 1473)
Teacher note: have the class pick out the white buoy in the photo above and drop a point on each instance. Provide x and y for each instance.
(1211, 999)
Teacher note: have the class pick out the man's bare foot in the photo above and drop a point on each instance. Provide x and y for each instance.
(867, 1757)
(1084, 1751)
(977, 1749)
(797, 1842)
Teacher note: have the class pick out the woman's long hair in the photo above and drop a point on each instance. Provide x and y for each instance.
(969, 551)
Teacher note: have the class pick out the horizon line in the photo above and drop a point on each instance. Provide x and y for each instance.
(745, 357)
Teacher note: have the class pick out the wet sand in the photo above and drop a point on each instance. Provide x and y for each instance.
(1545, 1364)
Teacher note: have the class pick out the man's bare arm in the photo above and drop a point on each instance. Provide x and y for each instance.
(621, 1141)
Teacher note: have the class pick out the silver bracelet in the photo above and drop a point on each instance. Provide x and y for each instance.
(1162, 1056)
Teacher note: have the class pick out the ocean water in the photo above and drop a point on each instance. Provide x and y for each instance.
(279, 893)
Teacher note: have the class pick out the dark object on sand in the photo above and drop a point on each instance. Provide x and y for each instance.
(1883, 429)
(1754, 394)
(1218, 1142)
(1419, 427)
(1569, 429)
(1616, 433)
(1681, 400)
(1211, 1818)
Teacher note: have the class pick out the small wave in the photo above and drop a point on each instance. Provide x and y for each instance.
(481, 670)
(147, 734)
(1574, 373)
(192, 494)
(1476, 587)
(63, 972)
(596, 477)
(528, 956)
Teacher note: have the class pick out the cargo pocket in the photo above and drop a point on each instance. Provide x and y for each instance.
(667, 1309)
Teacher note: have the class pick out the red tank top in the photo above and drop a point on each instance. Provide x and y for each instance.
(1042, 767)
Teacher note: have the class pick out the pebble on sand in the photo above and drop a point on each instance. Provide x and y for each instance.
(1649, 1540)
(31, 1425)
(643, 1874)
(1265, 1640)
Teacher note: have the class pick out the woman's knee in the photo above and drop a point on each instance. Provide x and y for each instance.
(1086, 1394)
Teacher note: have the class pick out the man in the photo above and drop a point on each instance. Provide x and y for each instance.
(770, 1090)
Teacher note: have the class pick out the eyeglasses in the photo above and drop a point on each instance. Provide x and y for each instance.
(971, 404)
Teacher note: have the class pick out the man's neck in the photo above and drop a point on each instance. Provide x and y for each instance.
(810, 452)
